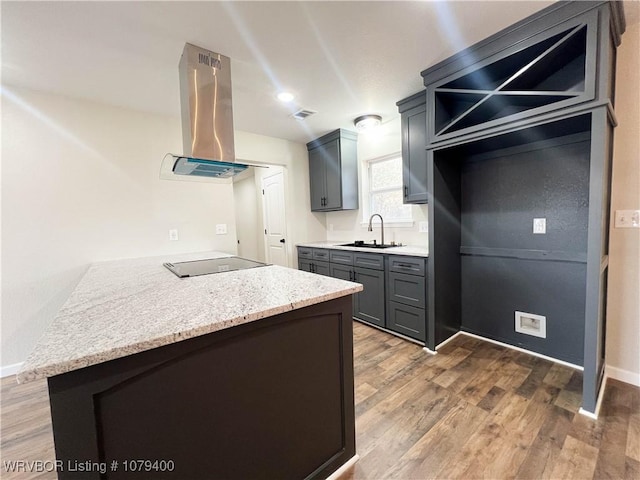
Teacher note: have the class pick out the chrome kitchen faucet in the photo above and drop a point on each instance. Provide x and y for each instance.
(370, 228)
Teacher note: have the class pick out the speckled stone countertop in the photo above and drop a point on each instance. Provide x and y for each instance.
(410, 250)
(128, 306)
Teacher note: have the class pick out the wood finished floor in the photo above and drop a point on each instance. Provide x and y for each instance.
(474, 410)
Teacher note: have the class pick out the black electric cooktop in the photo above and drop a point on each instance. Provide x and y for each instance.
(211, 265)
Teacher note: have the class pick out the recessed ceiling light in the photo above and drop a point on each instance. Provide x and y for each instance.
(367, 122)
(286, 97)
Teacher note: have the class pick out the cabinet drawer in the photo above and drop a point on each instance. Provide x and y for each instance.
(410, 265)
(409, 321)
(368, 260)
(321, 254)
(341, 256)
(305, 252)
(407, 289)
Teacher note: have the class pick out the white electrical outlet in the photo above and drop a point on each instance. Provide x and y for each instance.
(173, 235)
(221, 229)
(423, 227)
(531, 324)
(539, 226)
(627, 219)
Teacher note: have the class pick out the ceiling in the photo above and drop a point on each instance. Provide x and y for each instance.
(341, 59)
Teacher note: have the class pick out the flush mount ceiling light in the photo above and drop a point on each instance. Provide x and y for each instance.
(285, 97)
(367, 122)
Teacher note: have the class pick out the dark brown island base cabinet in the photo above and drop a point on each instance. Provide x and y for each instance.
(333, 171)
(519, 135)
(269, 399)
(394, 296)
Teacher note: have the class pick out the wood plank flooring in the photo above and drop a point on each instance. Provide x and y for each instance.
(479, 410)
(474, 410)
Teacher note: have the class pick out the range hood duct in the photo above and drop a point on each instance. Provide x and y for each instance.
(207, 116)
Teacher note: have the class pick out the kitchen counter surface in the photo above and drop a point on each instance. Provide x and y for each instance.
(123, 307)
(410, 250)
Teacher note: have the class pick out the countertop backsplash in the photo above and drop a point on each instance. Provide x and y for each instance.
(350, 226)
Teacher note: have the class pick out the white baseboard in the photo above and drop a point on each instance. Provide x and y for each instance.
(429, 351)
(455, 335)
(625, 376)
(9, 370)
(524, 350)
(345, 466)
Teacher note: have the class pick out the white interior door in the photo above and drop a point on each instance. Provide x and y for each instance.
(275, 224)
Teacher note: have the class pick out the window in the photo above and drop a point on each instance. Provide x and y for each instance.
(385, 189)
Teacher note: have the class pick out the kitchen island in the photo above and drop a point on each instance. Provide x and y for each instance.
(243, 374)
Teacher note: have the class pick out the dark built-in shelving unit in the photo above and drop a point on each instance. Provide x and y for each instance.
(518, 127)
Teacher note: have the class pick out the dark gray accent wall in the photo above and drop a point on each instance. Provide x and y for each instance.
(494, 288)
(502, 194)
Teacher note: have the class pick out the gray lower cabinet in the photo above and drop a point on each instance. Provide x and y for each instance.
(343, 272)
(407, 320)
(369, 304)
(395, 286)
(407, 296)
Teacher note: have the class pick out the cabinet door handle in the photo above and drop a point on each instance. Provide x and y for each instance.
(350, 276)
(406, 191)
(404, 265)
(312, 268)
(354, 277)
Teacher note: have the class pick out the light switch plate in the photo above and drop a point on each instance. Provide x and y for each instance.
(423, 227)
(173, 235)
(627, 219)
(539, 226)
(221, 229)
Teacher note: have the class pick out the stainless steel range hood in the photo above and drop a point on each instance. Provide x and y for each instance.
(207, 117)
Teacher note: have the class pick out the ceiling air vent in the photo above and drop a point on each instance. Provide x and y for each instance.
(302, 114)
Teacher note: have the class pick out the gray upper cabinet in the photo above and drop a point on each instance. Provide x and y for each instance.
(333, 171)
(413, 115)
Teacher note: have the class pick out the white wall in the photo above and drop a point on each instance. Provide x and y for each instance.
(303, 225)
(623, 328)
(245, 197)
(347, 225)
(80, 184)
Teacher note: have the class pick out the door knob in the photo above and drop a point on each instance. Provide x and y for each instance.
(282, 240)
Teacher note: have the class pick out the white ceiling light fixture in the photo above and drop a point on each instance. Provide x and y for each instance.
(367, 122)
(286, 97)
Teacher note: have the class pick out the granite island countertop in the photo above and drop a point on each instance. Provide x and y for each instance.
(409, 250)
(123, 307)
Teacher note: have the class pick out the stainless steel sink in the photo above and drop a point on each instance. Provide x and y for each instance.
(366, 245)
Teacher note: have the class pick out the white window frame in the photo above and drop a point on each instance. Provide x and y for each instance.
(368, 192)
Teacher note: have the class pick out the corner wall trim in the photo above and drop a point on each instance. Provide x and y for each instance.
(8, 370)
(625, 376)
(594, 415)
